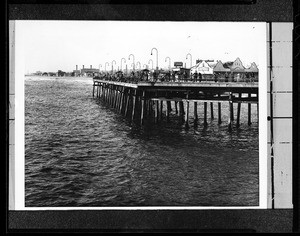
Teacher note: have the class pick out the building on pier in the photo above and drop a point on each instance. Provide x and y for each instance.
(235, 71)
(205, 68)
(252, 72)
(221, 72)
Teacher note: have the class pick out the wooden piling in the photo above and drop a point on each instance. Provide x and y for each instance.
(230, 120)
(108, 95)
(181, 108)
(249, 110)
(205, 113)
(169, 106)
(187, 111)
(119, 98)
(112, 97)
(105, 93)
(161, 109)
(168, 112)
(133, 104)
(231, 114)
(143, 107)
(187, 114)
(195, 112)
(127, 102)
(122, 99)
(219, 111)
(257, 111)
(115, 98)
(98, 91)
(238, 112)
(156, 111)
(212, 110)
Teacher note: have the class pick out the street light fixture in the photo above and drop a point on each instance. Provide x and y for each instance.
(112, 66)
(132, 58)
(152, 63)
(105, 65)
(169, 62)
(139, 64)
(156, 57)
(121, 61)
(190, 56)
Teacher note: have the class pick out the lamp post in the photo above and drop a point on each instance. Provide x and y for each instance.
(121, 61)
(112, 66)
(152, 63)
(190, 56)
(139, 64)
(156, 57)
(132, 58)
(169, 62)
(105, 65)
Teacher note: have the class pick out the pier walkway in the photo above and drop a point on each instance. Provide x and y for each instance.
(142, 100)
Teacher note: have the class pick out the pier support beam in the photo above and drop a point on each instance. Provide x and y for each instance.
(249, 110)
(161, 109)
(238, 112)
(219, 111)
(195, 112)
(156, 112)
(212, 110)
(133, 104)
(143, 107)
(205, 113)
(230, 121)
(122, 99)
(127, 102)
(169, 106)
(257, 111)
(168, 110)
(187, 114)
(181, 108)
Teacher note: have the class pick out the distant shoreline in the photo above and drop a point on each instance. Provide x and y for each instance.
(58, 77)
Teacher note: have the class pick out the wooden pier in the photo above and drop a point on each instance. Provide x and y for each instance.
(146, 100)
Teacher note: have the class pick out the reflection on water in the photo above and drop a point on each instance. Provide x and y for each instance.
(78, 152)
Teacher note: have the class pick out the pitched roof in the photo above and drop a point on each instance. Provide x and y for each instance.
(252, 68)
(219, 67)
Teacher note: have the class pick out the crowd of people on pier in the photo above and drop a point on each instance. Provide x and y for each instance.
(160, 76)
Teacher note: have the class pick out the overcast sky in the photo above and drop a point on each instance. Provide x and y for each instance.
(61, 45)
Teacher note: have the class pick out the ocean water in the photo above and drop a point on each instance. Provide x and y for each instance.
(80, 152)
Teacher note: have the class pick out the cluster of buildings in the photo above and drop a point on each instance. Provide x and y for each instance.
(82, 72)
(231, 71)
(209, 69)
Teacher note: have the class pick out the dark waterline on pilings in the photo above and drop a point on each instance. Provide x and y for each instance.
(81, 152)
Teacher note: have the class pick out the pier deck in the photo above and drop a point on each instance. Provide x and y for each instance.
(145, 99)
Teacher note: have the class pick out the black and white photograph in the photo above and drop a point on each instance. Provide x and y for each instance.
(142, 114)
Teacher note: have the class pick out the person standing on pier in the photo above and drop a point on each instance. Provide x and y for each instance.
(154, 76)
(185, 76)
(200, 77)
(215, 77)
(195, 76)
(173, 76)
